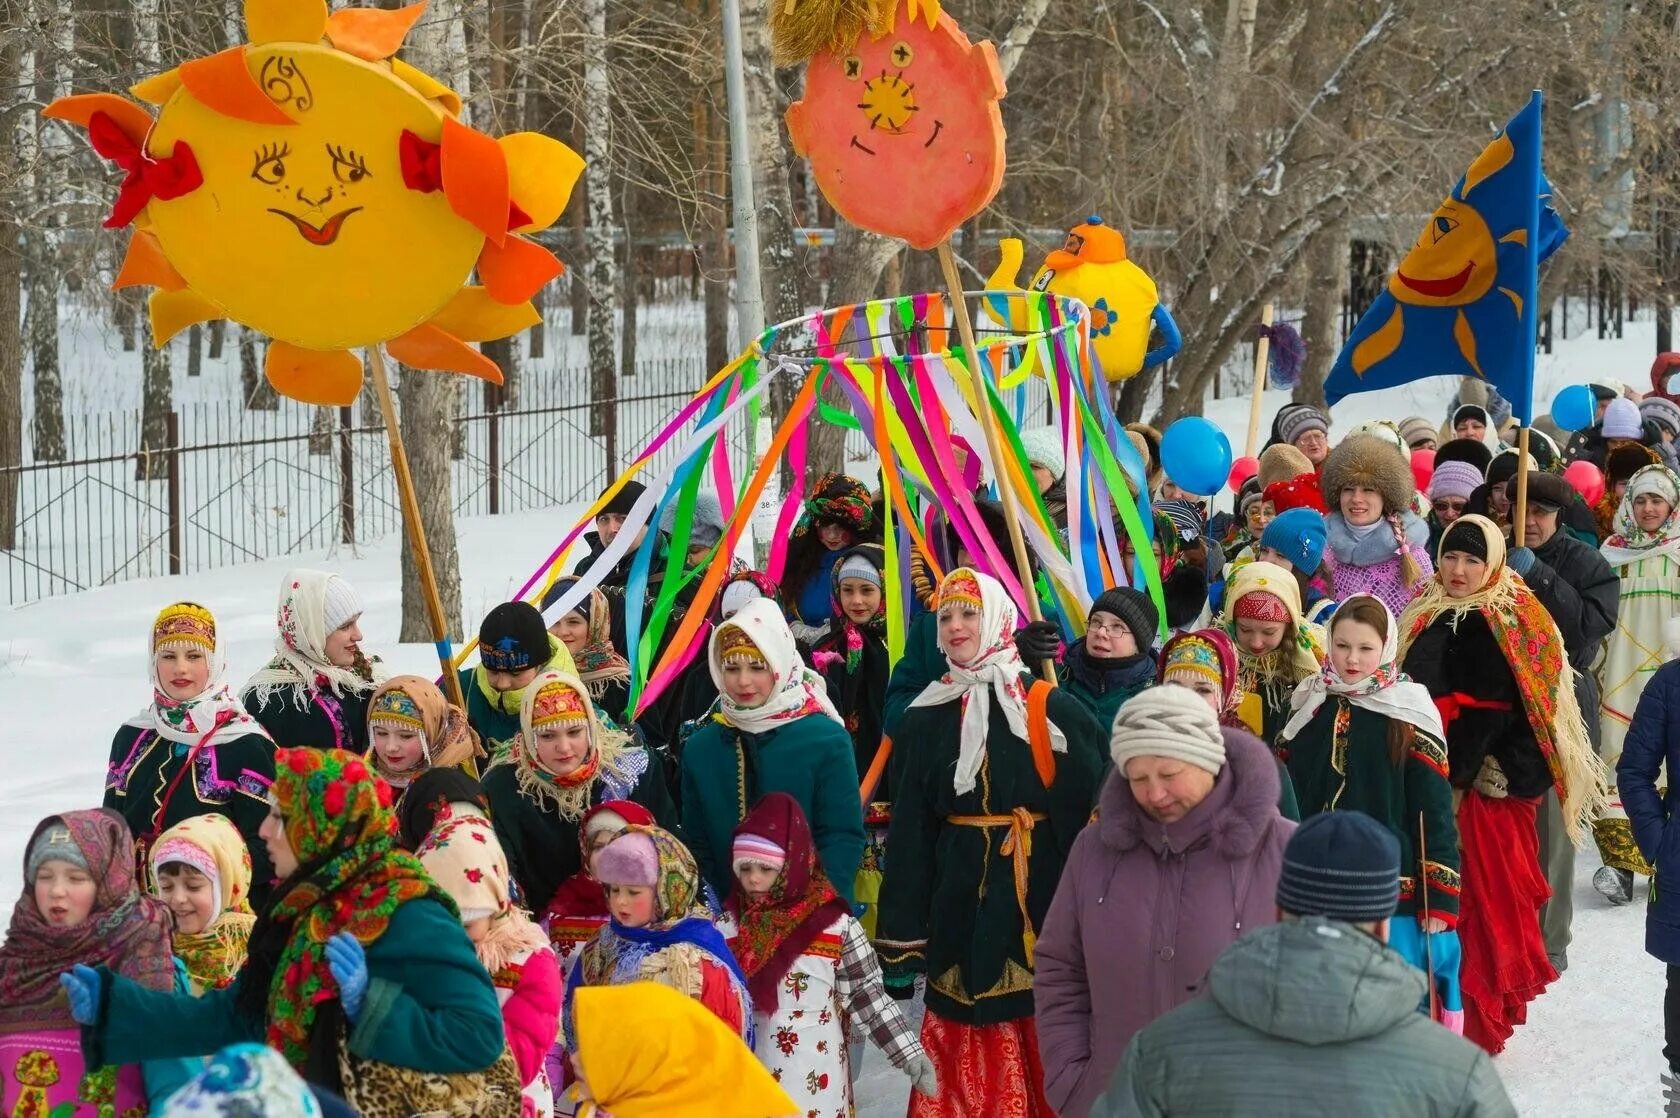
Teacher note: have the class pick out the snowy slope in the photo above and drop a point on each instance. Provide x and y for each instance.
(73, 667)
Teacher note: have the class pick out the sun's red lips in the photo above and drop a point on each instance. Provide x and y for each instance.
(1439, 288)
(318, 235)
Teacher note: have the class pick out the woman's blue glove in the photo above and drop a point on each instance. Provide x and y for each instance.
(348, 963)
(82, 985)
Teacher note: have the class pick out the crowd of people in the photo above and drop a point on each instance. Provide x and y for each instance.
(1298, 833)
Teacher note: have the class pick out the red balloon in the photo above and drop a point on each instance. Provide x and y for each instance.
(1423, 467)
(1587, 479)
(1241, 470)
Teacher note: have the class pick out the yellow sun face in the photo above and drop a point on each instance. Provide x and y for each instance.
(307, 232)
(1453, 263)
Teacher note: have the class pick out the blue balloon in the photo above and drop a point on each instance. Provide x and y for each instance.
(1574, 408)
(1196, 455)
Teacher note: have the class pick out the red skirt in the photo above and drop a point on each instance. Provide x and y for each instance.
(985, 1071)
(1505, 964)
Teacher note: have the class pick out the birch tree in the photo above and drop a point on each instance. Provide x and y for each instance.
(601, 273)
(51, 150)
(157, 391)
(11, 280)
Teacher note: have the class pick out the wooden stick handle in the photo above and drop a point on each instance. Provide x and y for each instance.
(1262, 356)
(988, 424)
(1423, 921)
(1519, 506)
(412, 525)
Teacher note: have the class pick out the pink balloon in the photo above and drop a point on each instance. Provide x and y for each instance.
(1587, 479)
(1241, 470)
(1423, 467)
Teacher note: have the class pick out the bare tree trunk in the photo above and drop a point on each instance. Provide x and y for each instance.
(423, 403)
(323, 424)
(601, 276)
(157, 384)
(11, 283)
(1327, 261)
(580, 251)
(218, 338)
(715, 266)
(195, 350)
(427, 399)
(253, 384)
(52, 80)
(536, 345)
(630, 283)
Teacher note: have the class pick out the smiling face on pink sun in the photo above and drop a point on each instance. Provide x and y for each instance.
(903, 132)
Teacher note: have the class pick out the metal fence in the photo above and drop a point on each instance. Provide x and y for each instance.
(237, 485)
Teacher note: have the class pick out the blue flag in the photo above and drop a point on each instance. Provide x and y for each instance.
(1462, 301)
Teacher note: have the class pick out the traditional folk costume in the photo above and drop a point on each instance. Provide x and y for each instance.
(596, 661)
(301, 697)
(1649, 566)
(809, 966)
(794, 742)
(1336, 746)
(537, 813)
(409, 702)
(211, 845)
(1267, 592)
(437, 797)
(41, 1060)
(994, 789)
(180, 758)
(1494, 663)
(680, 947)
(465, 858)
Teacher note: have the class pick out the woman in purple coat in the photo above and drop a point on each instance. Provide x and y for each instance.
(1183, 858)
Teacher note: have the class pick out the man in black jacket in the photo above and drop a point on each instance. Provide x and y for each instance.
(1583, 594)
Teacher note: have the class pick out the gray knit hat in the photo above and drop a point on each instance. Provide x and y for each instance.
(1043, 446)
(54, 844)
(1168, 722)
(1343, 865)
(1299, 420)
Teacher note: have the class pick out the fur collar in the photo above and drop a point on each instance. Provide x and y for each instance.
(1234, 818)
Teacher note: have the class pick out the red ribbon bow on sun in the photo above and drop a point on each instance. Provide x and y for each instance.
(422, 170)
(147, 176)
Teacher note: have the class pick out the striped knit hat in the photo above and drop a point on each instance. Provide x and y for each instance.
(1343, 865)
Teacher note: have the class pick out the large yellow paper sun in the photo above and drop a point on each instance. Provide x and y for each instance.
(320, 191)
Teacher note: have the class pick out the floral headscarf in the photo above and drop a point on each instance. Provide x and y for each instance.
(613, 760)
(126, 931)
(596, 660)
(467, 860)
(245, 1081)
(447, 739)
(1302, 650)
(1387, 691)
(992, 676)
(774, 930)
(352, 877)
(300, 648)
(1630, 543)
(837, 499)
(797, 691)
(212, 845)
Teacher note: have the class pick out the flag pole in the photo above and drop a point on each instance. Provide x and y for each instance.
(1519, 505)
(1262, 354)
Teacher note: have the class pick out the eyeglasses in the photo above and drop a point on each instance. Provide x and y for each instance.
(1450, 504)
(1118, 629)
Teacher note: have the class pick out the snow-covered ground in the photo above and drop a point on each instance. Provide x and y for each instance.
(73, 667)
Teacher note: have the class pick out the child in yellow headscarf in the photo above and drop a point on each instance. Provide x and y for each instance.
(201, 870)
(646, 1051)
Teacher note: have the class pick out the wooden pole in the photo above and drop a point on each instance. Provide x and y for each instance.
(416, 531)
(988, 424)
(1262, 356)
(1423, 927)
(1519, 506)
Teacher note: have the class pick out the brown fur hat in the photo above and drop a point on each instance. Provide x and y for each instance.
(1625, 459)
(1282, 462)
(1369, 460)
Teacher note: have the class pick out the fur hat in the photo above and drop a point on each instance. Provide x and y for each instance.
(1152, 443)
(1625, 459)
(1185, 590)
(1369, 460)
(1473, 451)
(1282, 463)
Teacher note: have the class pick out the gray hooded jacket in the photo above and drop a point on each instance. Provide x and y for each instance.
(1306, 1017)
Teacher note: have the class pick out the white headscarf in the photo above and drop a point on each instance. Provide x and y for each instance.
(1629, 543)
(214, 711)
(995, 674)
(797, 691)
(300, 647)
(1386, 691)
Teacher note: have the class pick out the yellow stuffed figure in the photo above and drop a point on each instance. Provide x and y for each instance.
(1092, 267)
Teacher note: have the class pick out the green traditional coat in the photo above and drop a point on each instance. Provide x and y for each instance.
(430, 1006)
(948, 904)
(1339, 761)
(725, 771)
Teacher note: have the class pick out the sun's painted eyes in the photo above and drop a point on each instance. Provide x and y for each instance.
(1441, 226)
(902, 55)
(270, 165)
(348, 167)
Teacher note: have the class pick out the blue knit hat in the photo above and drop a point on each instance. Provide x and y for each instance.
(1343, 865)
(1298, 535)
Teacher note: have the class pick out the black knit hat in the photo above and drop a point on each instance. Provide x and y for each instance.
(1135, 608)
(513, 638)
(624, 500)
(1343, 865)
(1464, 537)
(1473, 451)
(1471, 411)
(1503, 467)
